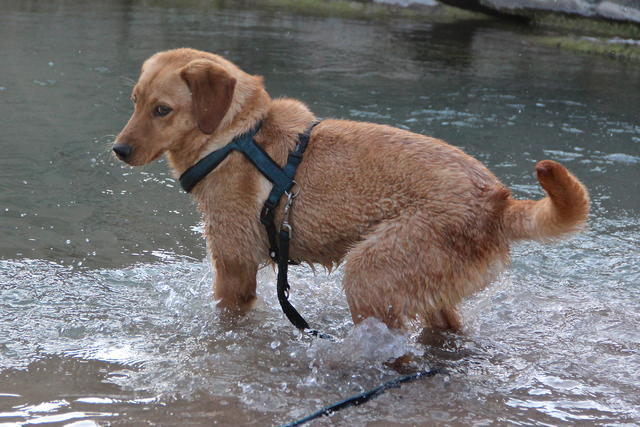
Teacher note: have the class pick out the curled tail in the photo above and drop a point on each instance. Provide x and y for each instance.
(563, 211)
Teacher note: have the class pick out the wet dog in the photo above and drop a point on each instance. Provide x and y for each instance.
(418, 223)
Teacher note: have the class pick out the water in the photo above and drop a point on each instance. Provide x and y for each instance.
(105, 309)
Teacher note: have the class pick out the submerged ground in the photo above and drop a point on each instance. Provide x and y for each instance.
(105, 310)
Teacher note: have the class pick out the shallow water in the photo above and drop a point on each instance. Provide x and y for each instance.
(105, 309)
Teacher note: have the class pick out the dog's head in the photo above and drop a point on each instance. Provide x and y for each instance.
(180, 95)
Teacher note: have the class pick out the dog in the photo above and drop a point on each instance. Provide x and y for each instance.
(418, 224)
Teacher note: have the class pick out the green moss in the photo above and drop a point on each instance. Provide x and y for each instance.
(341, 8)
(587, 26)
(451, 12)
(588, 35)
(363, 9)
(595, 46)
(368, 9)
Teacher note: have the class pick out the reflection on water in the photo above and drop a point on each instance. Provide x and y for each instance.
(105, 305)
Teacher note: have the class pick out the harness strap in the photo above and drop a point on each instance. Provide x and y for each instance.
(253, 152)
(279, 247)
(267, 216)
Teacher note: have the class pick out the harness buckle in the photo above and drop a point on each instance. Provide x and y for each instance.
(266, 214)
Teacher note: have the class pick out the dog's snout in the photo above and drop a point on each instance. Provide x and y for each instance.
(123, 151)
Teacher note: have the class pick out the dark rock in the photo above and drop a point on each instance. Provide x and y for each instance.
(618, 10)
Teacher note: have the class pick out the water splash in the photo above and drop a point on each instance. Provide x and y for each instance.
(370, 343)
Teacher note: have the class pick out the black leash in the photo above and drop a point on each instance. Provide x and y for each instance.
(283, 284)
(361, 398)
(283, 181)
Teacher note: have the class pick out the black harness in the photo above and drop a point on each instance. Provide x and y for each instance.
(283, 182)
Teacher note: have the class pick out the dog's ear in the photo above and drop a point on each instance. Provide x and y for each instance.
(211, 92)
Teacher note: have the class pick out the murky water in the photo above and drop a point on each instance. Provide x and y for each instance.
(105, 309)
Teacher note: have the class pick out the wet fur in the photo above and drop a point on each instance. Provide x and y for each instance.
(418, 223)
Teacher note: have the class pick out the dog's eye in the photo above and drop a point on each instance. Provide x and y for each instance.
(161, 110)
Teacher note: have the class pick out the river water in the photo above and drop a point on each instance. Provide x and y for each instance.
(105, 290)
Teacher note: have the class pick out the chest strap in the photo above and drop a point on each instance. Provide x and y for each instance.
(252, 151)
(267, 215)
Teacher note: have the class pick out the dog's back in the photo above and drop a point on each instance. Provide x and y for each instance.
(419, 223)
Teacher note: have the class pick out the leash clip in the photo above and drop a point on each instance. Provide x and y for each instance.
(287, 207)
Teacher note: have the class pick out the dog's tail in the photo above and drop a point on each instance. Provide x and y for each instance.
(563, 211)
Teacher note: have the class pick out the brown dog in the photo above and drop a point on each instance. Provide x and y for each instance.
(418, 223)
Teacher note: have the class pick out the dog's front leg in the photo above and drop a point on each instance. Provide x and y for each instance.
(235, 284)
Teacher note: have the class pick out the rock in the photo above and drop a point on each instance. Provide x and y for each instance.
(574, 7)
(618, 10)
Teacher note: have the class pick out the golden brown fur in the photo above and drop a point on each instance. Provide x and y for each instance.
(418, 223)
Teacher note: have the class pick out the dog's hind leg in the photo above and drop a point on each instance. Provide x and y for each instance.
(446, 319)
(396, 274)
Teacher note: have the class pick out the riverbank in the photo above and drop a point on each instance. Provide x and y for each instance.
(376, 9)
(620, 40)
(610, 28)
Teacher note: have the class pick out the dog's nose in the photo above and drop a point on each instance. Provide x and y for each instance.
(123, 151)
